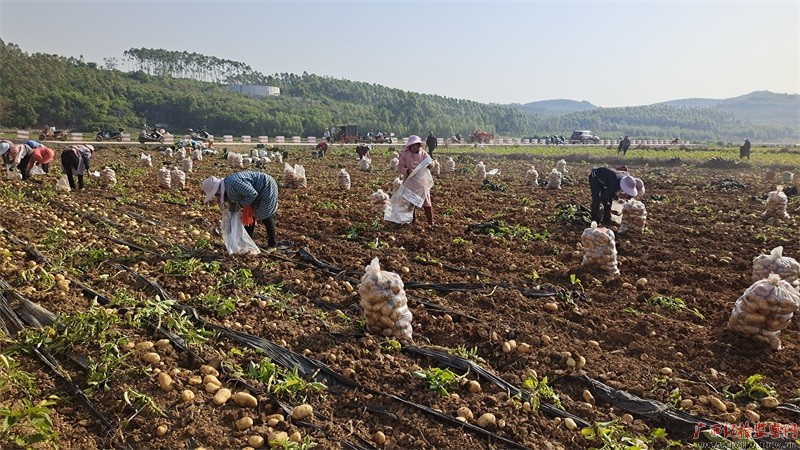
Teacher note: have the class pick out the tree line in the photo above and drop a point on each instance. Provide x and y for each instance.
(188, 90)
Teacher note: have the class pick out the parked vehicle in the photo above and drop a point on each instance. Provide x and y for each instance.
(202, 136)
(345, 134)
(481, 137)
(456, 139)
(151, 136)
(379, 138)
(109, 135)
(49, 133)
(583, 137)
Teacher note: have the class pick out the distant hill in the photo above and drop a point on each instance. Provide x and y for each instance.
(760, 107)
(558, 107)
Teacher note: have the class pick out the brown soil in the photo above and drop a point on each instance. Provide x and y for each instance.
(698, 246)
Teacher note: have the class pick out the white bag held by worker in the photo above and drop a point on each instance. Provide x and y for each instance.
(344, 179)
(145, 160)
(37, 170)
(108, 177)
(236, 239)
(532, 177)
(776, 204)
(364, 164)
(235, 160)
(785, 267)
(380, 202)
(480, 170)
(385, 303)
(411, 193)
(561, 166)
(187, 165)
(600, 248)
(177, 179)
(63, 184)
(634, 216)
(554, 179)
(764, 310)
(450, 165)
(164, 178)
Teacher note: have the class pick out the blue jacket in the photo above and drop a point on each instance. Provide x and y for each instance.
(253, 188)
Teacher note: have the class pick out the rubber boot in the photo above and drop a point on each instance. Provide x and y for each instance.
(429, 214)
(270, 232)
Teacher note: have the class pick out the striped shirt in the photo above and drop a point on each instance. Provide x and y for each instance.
(253, 188)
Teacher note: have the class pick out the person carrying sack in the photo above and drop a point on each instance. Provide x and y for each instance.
(254, 194)
(411, 157)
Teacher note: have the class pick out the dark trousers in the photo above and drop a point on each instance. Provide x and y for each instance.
(270, 224)
(598, 198)
(69, 161)
(23, 167)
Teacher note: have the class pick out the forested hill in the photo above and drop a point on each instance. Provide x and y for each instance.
(185, 90)
(761, 107)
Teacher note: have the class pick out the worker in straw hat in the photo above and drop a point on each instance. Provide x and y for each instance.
(410, 158)
(254, 193)
(607, 184)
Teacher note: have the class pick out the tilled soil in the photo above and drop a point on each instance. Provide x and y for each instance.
(698, 246)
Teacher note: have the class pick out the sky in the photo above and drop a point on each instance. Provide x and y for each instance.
(609, 53)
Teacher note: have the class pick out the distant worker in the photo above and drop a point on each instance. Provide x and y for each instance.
(624, 145)
(431, 142)
(744, 150)
(322, 147)
(362, 150)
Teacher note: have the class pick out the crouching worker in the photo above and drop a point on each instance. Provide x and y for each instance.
(28, 157)
(254, 193)
(606, 184)
(75, 162)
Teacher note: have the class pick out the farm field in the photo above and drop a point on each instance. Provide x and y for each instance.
(286, 325)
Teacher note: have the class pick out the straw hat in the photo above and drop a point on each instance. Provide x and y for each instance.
(413, 139)
(211, 187)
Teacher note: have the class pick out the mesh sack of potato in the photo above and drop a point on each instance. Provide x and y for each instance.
(776, 204)
(532, 177)
(785, 267)
(634, 216)
(364, 164)
(554, 179)
(343, 178)
(235, 160)
(168, 152)
(380, 202)
(480, 170)
(108, 177)
(254, 153)
(145, 160)
(396, 183)
(764, 310)
(437, 168)
(600, 248)
(294, 177)
(561, 166)
(187, 165)
(180, 154)
(246, 160)
(277, 156)
(393, 163)
(177, 179)
(197, 154)
(164, 178)
(450, 165)
(385, 303)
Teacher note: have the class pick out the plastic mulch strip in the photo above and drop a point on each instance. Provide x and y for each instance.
(463, 365)
(674, 420)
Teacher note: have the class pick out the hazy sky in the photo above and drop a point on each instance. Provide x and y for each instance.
(621, 53)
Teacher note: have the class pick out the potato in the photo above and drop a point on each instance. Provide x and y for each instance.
(244, 423)
(279, 436)
(187, 396)
(255, 441)
(464, 412)
(211, 379)
(208, 370)
(302, 411)
(245, 400)
(717, 403)
(161, 430)
(770, 402)
(570, 424)
(151, 358)
(379, 438)
(165, 382)
(221, 396)
(211, 388)
(474, 387)
(486, 419)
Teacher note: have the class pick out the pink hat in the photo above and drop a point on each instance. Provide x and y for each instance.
(413, 139)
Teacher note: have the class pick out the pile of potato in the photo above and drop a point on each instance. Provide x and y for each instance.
(764, 310)
(108, 177)
(145, 160)
(364, 164)
(164, 178)
(450, 165)
(384, 302)
(235, 160)
(554, 179)
(480, 170)
(785, 267)
(776, 204)
(294, 177)
(600, 248)
(178, 179)
(180, 154)
(380, 202)
(532, 176)
(561, 167)
(344, 179)
(187, 165)
(634, 216)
